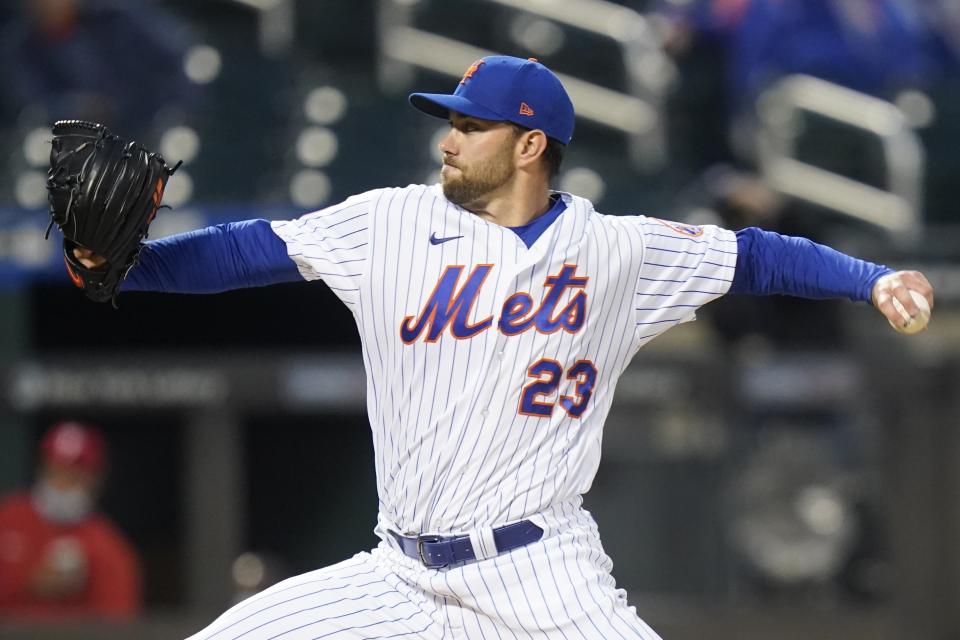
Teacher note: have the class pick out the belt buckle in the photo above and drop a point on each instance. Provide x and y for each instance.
(420, 541)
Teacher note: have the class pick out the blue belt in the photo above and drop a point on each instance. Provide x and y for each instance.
(440, 551)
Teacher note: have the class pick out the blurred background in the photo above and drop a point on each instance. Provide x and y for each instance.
(779, 469)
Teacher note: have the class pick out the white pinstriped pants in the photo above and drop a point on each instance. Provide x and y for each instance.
(557, 588)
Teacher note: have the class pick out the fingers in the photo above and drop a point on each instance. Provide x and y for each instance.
(897, 286)
(88, 258)
(901, 292)
(883, 299)
(916, 281)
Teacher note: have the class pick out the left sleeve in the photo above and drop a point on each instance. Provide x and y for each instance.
(684, 267)
(769, 263)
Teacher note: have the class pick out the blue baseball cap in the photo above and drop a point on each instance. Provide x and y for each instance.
(506, 88)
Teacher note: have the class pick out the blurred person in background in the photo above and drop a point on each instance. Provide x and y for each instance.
(114, 62)
(731, 51)
(941, 18)
(878, 47)
(59, 557)
(872, 46)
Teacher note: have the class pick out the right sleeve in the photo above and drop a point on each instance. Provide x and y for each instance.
(332, 244)
(218, 258)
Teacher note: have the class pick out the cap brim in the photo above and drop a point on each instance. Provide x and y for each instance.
(439, 105)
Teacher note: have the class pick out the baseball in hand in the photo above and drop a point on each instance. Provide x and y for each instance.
(917, 322)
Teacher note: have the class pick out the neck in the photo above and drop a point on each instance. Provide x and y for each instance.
(512, 205)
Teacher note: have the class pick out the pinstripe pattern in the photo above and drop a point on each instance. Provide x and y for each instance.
(354, 599)
(453, 450)
(559, 588)
(331, 244)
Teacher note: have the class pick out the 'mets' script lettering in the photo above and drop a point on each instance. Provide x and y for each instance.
(451, 302)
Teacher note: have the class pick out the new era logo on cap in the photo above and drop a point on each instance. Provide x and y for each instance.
(499, 88)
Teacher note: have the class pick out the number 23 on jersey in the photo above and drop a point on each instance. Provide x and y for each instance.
(535, 400)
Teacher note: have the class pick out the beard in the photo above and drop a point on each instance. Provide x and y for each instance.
(473, 182)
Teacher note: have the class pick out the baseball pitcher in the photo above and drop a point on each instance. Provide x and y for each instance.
(496, 316)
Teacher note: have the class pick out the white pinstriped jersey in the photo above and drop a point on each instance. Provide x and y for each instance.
(491, 366)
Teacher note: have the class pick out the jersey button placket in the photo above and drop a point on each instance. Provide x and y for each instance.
(500, 347)
(496, 365)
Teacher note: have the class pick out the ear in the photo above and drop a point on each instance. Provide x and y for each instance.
(530, 147)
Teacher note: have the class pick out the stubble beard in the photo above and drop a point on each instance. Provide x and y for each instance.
(475, 182)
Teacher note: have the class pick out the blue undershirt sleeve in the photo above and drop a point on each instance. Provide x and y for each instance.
(218, 258)
(770, 263)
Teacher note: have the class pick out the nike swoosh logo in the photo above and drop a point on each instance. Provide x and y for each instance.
(435, 240)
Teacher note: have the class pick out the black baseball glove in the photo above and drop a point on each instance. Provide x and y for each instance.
(104, 192)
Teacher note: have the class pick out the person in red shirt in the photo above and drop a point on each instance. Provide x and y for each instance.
(59, 557)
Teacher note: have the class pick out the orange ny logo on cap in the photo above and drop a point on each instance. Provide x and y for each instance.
(472, 69)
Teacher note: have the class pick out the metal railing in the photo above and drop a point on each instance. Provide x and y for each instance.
(895, 208)
(637, 113)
